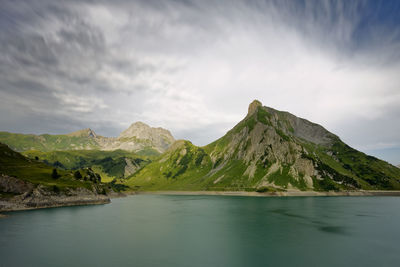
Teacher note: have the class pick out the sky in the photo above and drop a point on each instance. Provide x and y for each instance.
(193, 67)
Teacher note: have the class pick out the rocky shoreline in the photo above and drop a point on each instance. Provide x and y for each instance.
(51, 201)
(25, 196)
(83, 196)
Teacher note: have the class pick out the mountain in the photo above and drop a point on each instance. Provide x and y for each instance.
(88, 133)
(27, 183)
(138, 137)
(269, 150)
(110, 165)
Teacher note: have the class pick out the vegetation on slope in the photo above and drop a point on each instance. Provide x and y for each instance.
(179, 168)
(16, 165)
(268, 150)
(139, 137)
(110, 164)
(46, 142)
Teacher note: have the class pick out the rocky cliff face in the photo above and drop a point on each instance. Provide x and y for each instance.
(139, 136)
(26, 184)
(269, 150)
(141, 130)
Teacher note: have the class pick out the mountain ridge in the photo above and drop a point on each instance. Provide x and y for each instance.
(138, 137)
(268, 150)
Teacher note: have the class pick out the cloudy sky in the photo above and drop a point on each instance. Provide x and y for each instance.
(194, 66)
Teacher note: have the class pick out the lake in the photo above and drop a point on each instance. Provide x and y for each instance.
(166, 230)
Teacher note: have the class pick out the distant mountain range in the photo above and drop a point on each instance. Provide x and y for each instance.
(138, 137)
(269, 150)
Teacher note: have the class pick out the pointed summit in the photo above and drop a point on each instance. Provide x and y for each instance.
(136, 129)
(253, 106)
(269, 150)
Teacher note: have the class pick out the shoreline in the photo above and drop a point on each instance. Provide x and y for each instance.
(21, 207)
(51, 202)
(271, 194)
(107, 199)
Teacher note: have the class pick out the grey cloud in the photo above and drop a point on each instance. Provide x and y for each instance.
(193, 66)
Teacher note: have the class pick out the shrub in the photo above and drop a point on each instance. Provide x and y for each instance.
(98, 177)
(56, 189)
(54, 174)
(262, 189)
(77, 175)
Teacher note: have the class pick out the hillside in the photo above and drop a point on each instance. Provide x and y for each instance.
(29, 183)
(139, 137)
(269, 150)
(109, 164)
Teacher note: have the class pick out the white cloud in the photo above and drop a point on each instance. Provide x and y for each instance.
(194, 69)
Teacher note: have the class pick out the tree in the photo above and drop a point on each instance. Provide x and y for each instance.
(98, 177)
(56, 189)
(58, 164)
(54, 174)
(77, 175)
(104, 192)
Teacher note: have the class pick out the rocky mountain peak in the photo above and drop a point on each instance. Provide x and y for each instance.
(253, 107)
(141, 130)
(159, 138)
(135, 129)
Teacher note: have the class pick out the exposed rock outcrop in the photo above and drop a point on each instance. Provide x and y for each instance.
(269, 150)
(253, 107)
(158, 138)
(13, 185)
(30, 196)
(131, 167)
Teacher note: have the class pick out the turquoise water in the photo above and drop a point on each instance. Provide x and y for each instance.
(161, 230)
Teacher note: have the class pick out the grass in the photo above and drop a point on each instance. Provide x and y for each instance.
(14, 164)
(351, 168)
(111, 163)
(46, 142)
(217, 168)
(339, 166)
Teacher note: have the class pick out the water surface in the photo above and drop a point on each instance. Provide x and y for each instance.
(164, 230)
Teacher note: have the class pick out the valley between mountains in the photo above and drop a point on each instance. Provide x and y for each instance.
(268, 151)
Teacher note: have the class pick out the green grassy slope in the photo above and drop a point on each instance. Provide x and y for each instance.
(346, 165)
(14, 164)
(268, 150)
(179, 168)
(110, 164)
(46, 142)
(81, 140)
